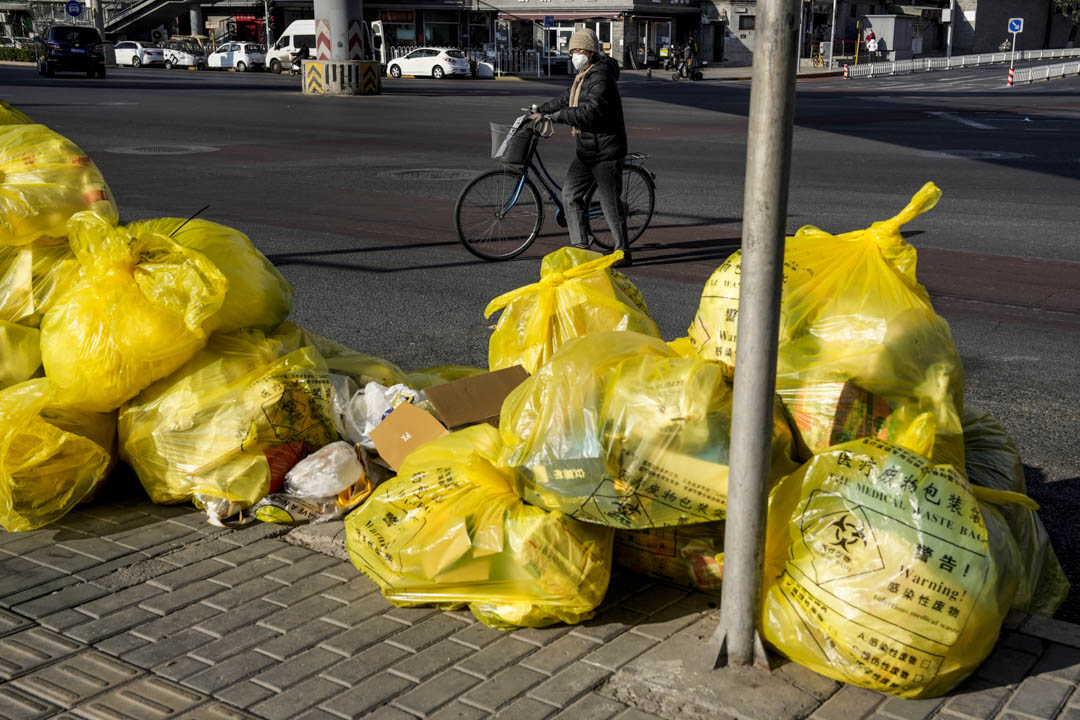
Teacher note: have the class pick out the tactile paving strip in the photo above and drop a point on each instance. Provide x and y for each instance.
(147, 699)
(78, 678)
(28, 650)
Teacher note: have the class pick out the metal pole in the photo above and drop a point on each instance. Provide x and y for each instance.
(768, 168)
(266, 24)
(798, 51)
(948, 37)
(832, 35)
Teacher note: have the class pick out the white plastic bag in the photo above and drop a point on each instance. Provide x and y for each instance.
(359, 412)
(325, 472)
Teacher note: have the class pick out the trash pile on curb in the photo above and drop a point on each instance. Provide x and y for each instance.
(899, 534)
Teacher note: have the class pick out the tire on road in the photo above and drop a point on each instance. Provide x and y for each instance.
(241, 66)
(638, 202)
(437, 73)
(275, 67)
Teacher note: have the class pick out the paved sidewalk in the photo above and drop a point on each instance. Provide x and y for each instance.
(125, 609)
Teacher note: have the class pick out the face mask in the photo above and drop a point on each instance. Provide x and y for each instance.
(580, 60)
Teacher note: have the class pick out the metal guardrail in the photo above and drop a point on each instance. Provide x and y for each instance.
(902, 67)
(513, 61)
(1030, 75)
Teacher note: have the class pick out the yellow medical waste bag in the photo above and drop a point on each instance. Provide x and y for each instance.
(136, 314)
(450, 530)
(688, 555)
(861, 351)
(9, 115)
(44, 180)
(32, 278)
(51, 457)
(578, 293)
(885, 570)
(20, 353)
(618, 429)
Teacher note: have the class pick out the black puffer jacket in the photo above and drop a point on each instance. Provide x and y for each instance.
(598, 115)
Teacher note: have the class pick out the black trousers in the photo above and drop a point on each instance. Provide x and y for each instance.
(608, 175)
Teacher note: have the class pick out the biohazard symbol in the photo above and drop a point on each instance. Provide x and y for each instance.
(847, 533)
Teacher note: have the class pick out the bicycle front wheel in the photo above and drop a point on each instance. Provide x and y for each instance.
(497, 215)
(638, 203)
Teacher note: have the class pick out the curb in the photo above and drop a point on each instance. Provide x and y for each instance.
(18, 63)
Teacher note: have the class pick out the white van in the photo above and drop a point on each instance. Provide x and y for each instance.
(299, 32)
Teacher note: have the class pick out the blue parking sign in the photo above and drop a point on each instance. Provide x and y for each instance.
(74, 8)
(549, 21)
(1016, 25)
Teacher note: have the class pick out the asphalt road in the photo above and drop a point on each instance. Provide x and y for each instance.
(351, 198)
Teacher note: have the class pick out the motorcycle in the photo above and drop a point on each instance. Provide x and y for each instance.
(297, 62)
(680, 71)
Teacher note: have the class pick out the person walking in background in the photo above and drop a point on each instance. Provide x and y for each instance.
(592, 107)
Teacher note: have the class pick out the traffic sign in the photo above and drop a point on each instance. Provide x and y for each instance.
(74, 8)
(549, 21)
(1016, 25)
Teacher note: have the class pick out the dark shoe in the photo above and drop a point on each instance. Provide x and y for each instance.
(624, 261)
(580, 246)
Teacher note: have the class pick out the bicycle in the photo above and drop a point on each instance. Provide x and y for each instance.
(500, 212)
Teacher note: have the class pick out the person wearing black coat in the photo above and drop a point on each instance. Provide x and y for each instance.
(593, 109)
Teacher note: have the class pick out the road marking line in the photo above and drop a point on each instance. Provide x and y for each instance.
(963, 121)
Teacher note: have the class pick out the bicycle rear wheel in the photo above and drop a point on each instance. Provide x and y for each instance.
(638, 204)
(496, 221)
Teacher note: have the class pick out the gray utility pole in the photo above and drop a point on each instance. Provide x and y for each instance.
(952, 24)
(768, 168)
(832, 35)
(99, 19)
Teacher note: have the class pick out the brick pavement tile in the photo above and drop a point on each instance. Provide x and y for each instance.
(180, 668)
(225, 647)
(298, 698)
(254, 533)
(216, 711)
(184, 576)
(502, 653)
(909, 709)
(250, 552)
(77, 678)
(122, 573)
(459, 711)
(69, 597)
(849, 703)
(553, 658)
(357, 611)
(635, 714)
(298, 572)
(78, 521)
(608, 626)
(1053, 630)
(613, 655)
(389, 712)
(11, 623)
(229, 671)
(1061, 662)
(26, 651)
(206, 549)
(1006, 666)
(1070, 713)
(173, 647)
(976, 698)
(292, 594)
(527, 709)
(224, 623)
(354, 589)
(37, 591)
(112, 624)
(61, 621)
(569, 684)
(499, 690)
(655, 599)
(428, 632)
(241, 595)
(117, 645)
(152, 535)
(410, 615)
(667, 622)
(116, 601)
(297, 641)
(366, 634)
(18, 705)
(432, 694)
(182, 619)
(1040, 697)
(477, 636)
(196, 520)
(424, 664)
(164, 603)
(366, 696)
(807, 680)
(1023, 643)
(284, 675)
(594, 706)
(343, 570)
(319, 714)
(541, 637)
(260, 568)
(32, 577)
(292, 554)
(96, 548)
(290, 618)
(624, 585)
(148, 698)
(365, 664)
(243, 694)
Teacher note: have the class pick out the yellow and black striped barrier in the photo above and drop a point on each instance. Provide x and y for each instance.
(314, 77)
(369, 78)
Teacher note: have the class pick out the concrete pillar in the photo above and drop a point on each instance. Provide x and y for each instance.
(333, 21)
(196, 17)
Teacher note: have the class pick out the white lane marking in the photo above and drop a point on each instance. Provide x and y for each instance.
(962, 120)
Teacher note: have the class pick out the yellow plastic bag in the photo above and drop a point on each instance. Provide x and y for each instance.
(20, 353)
(886, 571)
(994, 462)
(259, 296)
(690, 555)
(618, 429)
(449, 530)
(136, 315)
(232, 421)
(32, 278)
(861, 351)
(51, 457)
(44, 180)
(9, 115)
(342, 360)
(578, 293)
(421, 379)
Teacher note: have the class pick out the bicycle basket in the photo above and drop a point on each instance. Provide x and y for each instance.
(510, 145)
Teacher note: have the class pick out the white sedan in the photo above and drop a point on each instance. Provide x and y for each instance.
(240, 55)
(429, 62)
(137, 53)
(183, 54)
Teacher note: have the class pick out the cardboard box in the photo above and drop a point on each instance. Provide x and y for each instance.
(405, 429)
(475, 399)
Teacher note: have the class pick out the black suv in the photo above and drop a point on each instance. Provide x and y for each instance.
(70, 48)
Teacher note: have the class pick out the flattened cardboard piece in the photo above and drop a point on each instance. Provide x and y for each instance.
(475, 399)
(405, 429)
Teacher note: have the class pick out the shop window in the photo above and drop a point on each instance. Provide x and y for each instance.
(746, 22)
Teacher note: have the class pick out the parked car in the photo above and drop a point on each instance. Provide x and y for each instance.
(69, 48)
(429, 62)
(137, 53)
(183, 53)
(240, 55)
(300, 32)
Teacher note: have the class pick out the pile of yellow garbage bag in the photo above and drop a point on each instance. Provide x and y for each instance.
(899, 533)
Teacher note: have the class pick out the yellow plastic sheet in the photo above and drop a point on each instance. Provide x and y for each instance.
(9, 115)
(886, 571)
(44, 180)
(861, 351)
(420, 379)
(20, 353)
(690, 555)
(136, 315)
(51, 457)
(578, 293)
(341, 360)
(994, 462)
(232, 421)
(258, 297)
(618, 429)
(32, 278)
(450, 530)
